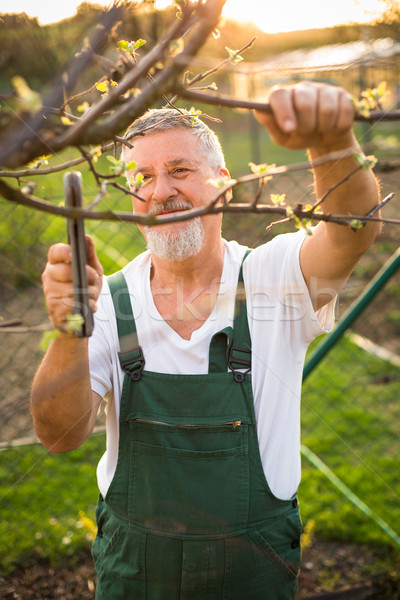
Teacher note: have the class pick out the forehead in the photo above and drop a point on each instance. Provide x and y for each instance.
(166, 146)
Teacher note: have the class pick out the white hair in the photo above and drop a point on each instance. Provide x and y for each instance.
(161, 119)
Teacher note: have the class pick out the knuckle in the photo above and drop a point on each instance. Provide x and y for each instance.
(277, 94)
(328, 109)
(304, 98)
(346, 100)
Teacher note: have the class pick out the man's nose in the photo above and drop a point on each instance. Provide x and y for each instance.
(163, 187)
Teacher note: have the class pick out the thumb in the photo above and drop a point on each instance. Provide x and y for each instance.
(91, 255)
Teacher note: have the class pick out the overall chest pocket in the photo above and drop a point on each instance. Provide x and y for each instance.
(189, 478)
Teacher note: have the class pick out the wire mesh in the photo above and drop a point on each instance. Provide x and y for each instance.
(351, 414)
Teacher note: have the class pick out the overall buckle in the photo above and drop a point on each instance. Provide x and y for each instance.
(132, 362)
(239, 361)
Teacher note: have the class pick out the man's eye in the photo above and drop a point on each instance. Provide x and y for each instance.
(180, 171)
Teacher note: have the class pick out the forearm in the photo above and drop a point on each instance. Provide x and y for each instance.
(356, 194)
(62, 402)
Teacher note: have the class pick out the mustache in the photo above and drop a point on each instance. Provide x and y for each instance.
(169, 206)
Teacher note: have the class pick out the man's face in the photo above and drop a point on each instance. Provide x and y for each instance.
(177, 177)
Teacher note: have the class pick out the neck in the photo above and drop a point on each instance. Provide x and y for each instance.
(185, 292)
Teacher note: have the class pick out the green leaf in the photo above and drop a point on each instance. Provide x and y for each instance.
(83, 107)
(289, 211)
(102, 86)
(138, 181)
(132, 46)
(356, 224)
(366, 162)
(47, 338)
(307, 224)
(74, 323)
(30, 100)
(114, 161)
(139, 43)
(222, 182)
(279, 200)
(196, 113)
(257, 169)
(234, 55)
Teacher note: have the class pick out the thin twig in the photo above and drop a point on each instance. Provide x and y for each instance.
(213, 207)
(27, 329)
(10, 323)
(334, 187)
(280, 222)
(57, 168)
(217, 100)
(380, 205)
(261, 185)
(202, 76)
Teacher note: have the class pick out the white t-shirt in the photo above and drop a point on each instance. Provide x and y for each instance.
(282, 323)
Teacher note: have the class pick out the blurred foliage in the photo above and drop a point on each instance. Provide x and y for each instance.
(38, 53)
(389, 24)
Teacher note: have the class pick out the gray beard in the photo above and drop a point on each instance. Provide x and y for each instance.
(185, 243)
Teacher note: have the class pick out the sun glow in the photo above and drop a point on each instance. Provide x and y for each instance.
(290, 15)
(272, 17)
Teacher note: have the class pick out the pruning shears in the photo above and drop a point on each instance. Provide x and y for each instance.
(76, 239)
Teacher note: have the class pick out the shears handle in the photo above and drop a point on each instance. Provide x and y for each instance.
(76, 239)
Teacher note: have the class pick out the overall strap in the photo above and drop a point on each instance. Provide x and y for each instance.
(130, 356)
(240, 350)
(219, 350)
(232, 347)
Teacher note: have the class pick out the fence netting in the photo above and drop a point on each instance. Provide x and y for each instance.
(351, 411)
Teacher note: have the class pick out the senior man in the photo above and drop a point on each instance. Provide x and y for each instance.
(199, 479)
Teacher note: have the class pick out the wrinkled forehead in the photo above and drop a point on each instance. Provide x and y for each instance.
(166, 146)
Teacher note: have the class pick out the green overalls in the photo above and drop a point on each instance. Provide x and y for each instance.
(189, 514)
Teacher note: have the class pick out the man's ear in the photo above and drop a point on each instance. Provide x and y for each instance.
(223, 172)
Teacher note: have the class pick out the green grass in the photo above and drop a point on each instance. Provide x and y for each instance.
(41, 499)
(350, 420)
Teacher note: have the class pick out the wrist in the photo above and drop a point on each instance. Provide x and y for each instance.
(70, 342)
(347, 144)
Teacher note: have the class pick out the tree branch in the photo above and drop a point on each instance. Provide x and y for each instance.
(14, 195)
(224, 101)
(35, 136)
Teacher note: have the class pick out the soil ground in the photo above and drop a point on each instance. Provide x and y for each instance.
(325, 566)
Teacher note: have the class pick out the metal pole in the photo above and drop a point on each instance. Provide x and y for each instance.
(376, 284)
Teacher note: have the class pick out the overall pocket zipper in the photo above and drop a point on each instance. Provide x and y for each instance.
(234, 424)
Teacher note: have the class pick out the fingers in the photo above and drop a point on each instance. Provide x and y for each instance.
(306, 105)
(58, 282)
(308, 114)
(91, 256)
(59, 253)
(283, 107)
(347, 112)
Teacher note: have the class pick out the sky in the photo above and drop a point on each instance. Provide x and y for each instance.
(272, 17)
